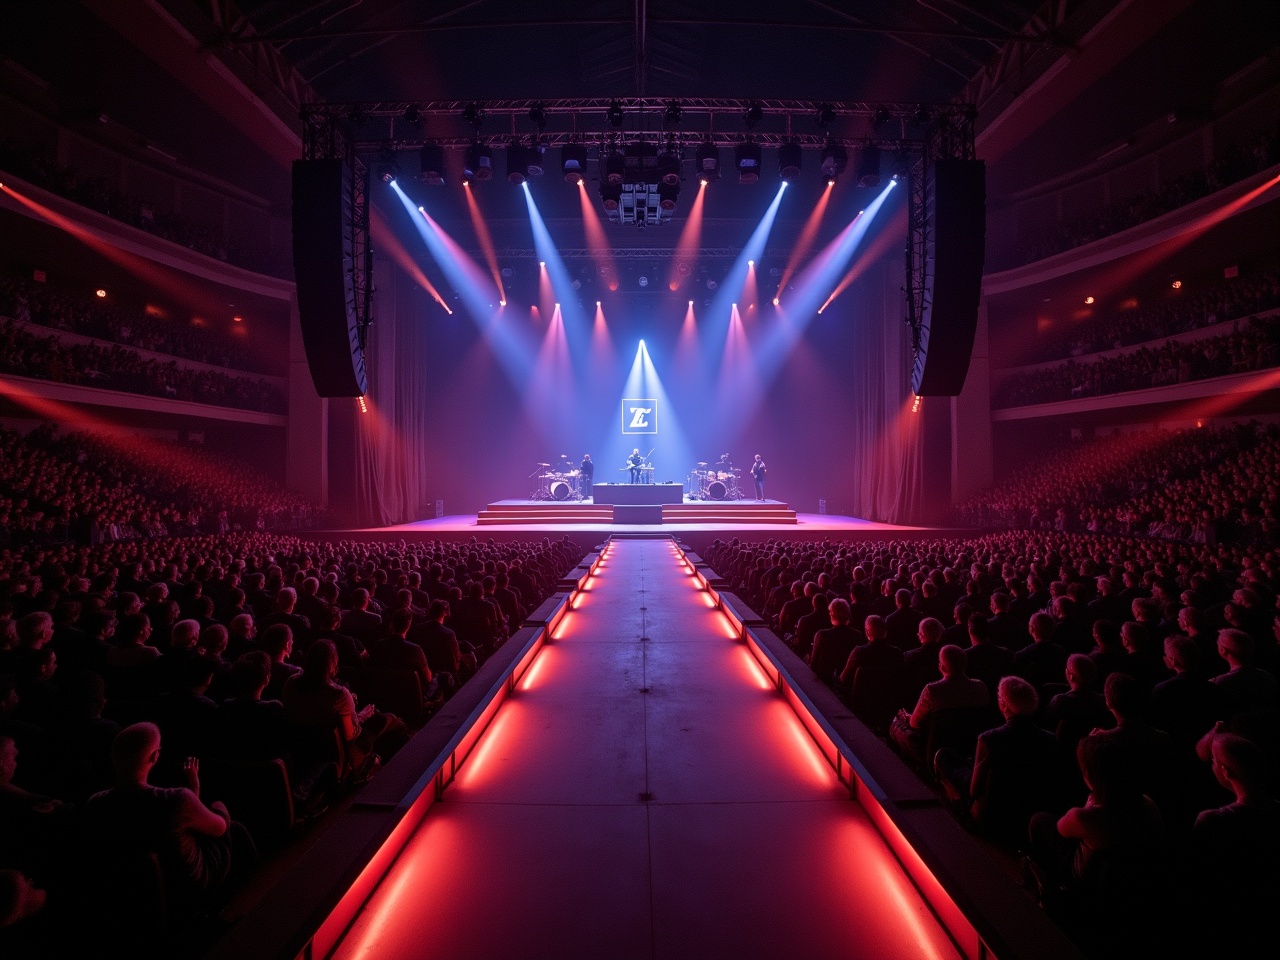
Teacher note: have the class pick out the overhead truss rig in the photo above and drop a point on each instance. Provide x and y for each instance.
(920, 134)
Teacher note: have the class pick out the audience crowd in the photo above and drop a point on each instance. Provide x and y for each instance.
(1103, 709)
(93, 317)
(36, 166)
(170, 710)
(1201, 485)
(88, 488)
(26, 354)
(1254, 344)
(1231, 299)
(1236, 163)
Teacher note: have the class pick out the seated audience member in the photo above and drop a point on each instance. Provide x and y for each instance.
(315, 700)
(807, 626)
(200, 847)
(955, 690)
(1248, 693)
(903, 622)
(360, 622)
(474, 620)
(1238, 843)
(277, 643)
(247, 727)
(1150, 751)
(1186, 704)
(1118, 819)
(1145, 661)
(1005, 629)
(921, 664)
(1016, 771)
(396, 653)
(445, 656)
(1108, 653)
(986, 661)
(831, 647)
(1043, 661)
(791, 611)
(1081, 709)
(873, 675)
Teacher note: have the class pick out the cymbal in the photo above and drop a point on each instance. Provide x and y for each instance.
(702, 463)
(544, 464)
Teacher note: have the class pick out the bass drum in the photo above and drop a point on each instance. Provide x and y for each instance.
(717, 490)
(561, 490)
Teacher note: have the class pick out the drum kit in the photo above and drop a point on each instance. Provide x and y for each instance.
(558, 484)
(719, 484)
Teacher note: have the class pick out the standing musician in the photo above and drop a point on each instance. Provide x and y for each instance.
(635, 461)
(587, 470)
(758, 471)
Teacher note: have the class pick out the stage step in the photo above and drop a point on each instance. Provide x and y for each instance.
(569, 512)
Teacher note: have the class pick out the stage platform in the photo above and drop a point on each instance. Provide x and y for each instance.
(628, 511)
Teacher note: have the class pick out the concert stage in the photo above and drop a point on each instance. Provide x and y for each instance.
(639, 504)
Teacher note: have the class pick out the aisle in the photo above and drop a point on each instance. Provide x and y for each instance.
(645, 793)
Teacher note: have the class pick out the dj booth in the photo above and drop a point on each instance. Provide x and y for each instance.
(628, 494)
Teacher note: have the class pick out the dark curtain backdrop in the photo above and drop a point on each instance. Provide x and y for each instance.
(392, 455)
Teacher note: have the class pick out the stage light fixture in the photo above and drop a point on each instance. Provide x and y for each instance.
(866, 166)
(1177, 284)
(615, 115)
(478, 163)
(517, 163)
(708, 162)
(668, 194)
(387, 168)
(880, 117)
(825, 115)
(1089, 300)
(753, 115)
(473, 114)
(615, 167)
(669, 166)
(834, 160)
(100, 294)
(533, 156)
(538, 116)
(789, 162)
(573, 162)
(746, 157)
(673, 114)
(611, 196)
(411, 115)
(920, 116)
(432, 159)
(644, 281)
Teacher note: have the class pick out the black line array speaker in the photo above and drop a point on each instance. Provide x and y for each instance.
(957, 226)
(323, 262)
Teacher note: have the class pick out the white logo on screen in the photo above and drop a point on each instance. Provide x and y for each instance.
(639, 417)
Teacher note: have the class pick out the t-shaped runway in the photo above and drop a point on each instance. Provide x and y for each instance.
(646, 793)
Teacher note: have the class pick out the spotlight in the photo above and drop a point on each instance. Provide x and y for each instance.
(478, 164)
(615, 167)
(667, 196)
(879, 118)
(754, 114)
(708, 162)
(669, 166)
(388, 169)
(747, 159)
(611, 196)
(474, 116)
(644, 281)
(100, 294)
(866, 166)
(825, 115)
(615, 115)
(775, 301)
(1177, 284)
(573, 162)
(237, 319)
(789, 162)
(672, 114)
(1089, 300)
(712, 284)
(432, 157)
(411, 115)
(538, 116)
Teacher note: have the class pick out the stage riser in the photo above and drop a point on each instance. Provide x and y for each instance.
(728, 512)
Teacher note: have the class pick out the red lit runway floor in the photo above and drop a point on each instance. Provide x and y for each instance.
(595, 819)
